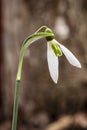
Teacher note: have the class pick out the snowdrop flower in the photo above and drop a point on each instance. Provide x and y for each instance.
(55, 49)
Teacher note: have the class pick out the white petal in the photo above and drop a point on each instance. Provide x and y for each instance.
(52, 63)
(71, 58)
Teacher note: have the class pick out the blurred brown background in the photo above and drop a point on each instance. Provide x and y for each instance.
(42, 104)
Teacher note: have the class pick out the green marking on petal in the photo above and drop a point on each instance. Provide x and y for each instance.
(56, 49)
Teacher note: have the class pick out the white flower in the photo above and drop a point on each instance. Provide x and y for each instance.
(52, 58)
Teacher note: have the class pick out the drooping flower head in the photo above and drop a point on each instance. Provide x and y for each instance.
(55, 49)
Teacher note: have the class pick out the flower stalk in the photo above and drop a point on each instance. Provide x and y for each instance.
(15, 111)
(37, 35)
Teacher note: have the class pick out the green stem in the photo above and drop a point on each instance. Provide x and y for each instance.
(17, 83)
(20, 64)
(34, 37)
(41, 29)
(15, 111)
